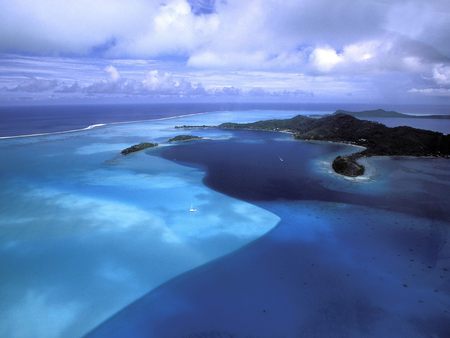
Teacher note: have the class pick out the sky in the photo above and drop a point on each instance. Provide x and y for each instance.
(395, 51)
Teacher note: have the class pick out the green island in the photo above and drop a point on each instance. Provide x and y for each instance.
(376, 138)
(138, 147)
(185, 138)
(191, 127)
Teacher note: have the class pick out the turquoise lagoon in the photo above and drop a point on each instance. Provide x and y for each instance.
(276, 248)
(85, 231)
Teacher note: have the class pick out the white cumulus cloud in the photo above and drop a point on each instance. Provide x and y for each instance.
(325, 59)
(113, 73)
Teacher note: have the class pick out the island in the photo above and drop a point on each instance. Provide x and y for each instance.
(138, 147)
(192, 127)
(185, 138)
(348, 166)
(392, 114)
(376, 138)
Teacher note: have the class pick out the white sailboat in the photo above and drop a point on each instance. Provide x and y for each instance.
(192, 209)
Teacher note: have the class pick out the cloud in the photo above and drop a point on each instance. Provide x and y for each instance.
(34, 85)
(68, 89)
(325, 59)
(431, 21)
(113, 73)
(114, 27)
(154, 83)
(202, 6)
(439, 92)
(441, 74)
(156, 80)
(172, 28)
(115, 82)
(245, 60)
(73, 26)
(149, 28)
(341, 45)
(165, 84)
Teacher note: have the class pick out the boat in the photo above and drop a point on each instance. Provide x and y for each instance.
(192, 209)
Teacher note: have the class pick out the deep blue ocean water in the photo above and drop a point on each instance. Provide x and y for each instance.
(26, 120)
(348, 259)
(280, 246)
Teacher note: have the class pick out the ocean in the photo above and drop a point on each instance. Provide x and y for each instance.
(349, 258)
(39, 119)
(100, 244)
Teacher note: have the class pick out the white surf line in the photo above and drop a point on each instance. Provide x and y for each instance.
(92, 126)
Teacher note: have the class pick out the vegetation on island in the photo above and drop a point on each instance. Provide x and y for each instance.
(138, 147)
(184, 138)
(377, 139)
(348, 166)
(191, 127)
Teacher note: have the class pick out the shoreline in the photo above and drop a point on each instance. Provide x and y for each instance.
(372, 138)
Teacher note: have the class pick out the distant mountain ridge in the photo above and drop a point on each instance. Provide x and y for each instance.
(386, 113)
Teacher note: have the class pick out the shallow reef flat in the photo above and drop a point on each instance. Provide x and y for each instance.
(85, 231)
